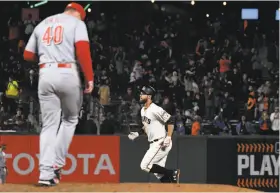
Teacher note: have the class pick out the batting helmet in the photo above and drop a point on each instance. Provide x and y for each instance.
(148, 90)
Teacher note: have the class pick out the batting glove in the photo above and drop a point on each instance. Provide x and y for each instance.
(133, 135)
(167, 141)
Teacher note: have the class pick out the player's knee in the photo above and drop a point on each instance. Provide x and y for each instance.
(144, 167)
(70, 119)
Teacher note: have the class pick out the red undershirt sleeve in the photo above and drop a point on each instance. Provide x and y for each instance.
(29, 56)
(30, 50)
(83, 50)
(84, 58)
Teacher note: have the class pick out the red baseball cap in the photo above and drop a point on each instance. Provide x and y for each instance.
(78, 8)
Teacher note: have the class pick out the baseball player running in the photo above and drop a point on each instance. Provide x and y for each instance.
(56, 41)
(154, 119)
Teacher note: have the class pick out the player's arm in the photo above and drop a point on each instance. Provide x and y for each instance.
(142, 130)
(30, 51)
(134, 135)
(166, 118)
(83, 51)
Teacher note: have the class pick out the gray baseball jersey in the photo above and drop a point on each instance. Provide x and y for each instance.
(54, 38)
(59, 88)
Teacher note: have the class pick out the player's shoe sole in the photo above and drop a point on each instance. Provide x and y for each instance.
(47, 183)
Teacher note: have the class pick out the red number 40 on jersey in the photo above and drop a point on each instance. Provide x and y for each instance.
(53, 34)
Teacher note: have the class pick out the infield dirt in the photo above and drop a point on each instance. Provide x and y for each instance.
(124, 187)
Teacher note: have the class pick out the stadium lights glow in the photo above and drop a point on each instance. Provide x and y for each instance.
(152, 1)
(207, 15)
(224, 3)
(41, 3)
(192, 2)
(89, 10)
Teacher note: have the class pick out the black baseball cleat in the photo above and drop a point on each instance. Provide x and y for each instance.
(176, 176)
(166, 179)
(47, 183)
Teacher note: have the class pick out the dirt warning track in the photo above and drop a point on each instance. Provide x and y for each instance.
(124, 187)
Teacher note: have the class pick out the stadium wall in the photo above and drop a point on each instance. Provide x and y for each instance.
(245, 161)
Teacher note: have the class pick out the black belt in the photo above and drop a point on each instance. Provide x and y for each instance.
(155, 140)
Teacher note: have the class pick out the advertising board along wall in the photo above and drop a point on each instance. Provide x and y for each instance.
(90, 159)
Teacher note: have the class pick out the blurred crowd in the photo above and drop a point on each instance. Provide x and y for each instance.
(218, 78)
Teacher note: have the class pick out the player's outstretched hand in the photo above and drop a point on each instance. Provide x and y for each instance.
(89, 87)
(167, 141)
(133, 135)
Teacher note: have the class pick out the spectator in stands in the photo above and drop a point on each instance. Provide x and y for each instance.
(264, 124)
(196, 127)
(274, 102)
(251, 104)
(104, 77)
(190, 84)
(265, 88)
(33, 122)
(243, 127)
(227, 105)
(14, 33)
(137, 71)
(199, 103)
(123, 111)
(219, 123)
(21, 46)
(224, 63)
(135, 109)
(256, 64)
(29, 27)
(168, 105)
(119, 60)
(157, 98)
(104, 92)
(209, 104)
(129, 96)
(206, 83)
(179, 123)
(19, 119)
(187, 102)
(235, 78)
(245, 87)
(3, 116)
(91, 26)
(31, 84)
(274, 118)
(263, 103)
(12, 93)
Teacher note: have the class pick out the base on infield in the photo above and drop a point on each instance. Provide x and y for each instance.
(124, 187)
